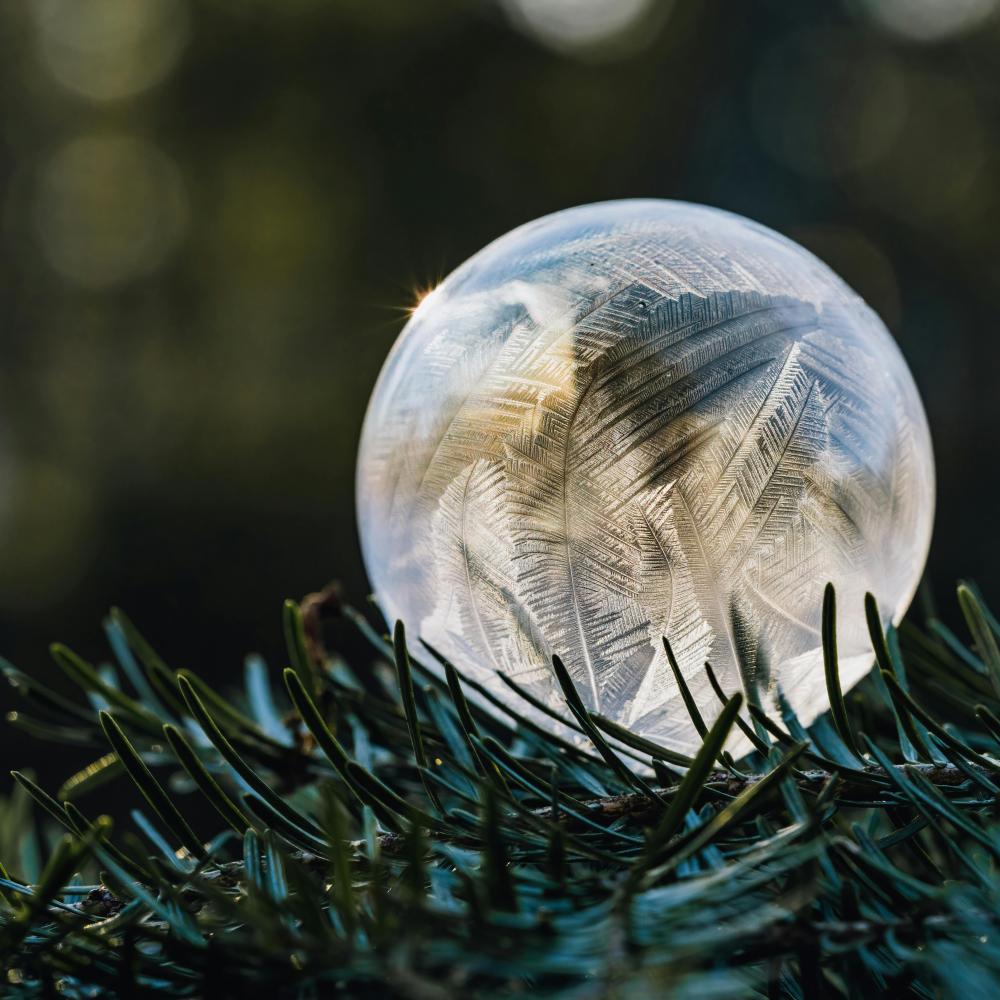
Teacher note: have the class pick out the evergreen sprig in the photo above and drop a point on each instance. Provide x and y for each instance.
(382, 832)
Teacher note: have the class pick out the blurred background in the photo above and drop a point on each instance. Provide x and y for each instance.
(214, 215)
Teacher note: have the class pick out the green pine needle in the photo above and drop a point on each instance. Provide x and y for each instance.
(429, 839)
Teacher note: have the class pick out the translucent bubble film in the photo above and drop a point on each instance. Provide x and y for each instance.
(641, 419)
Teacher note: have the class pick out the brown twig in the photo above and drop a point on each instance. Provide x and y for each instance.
(639, 806)
(315, 607)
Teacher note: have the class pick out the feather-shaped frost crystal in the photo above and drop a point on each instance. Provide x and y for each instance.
(642, 419)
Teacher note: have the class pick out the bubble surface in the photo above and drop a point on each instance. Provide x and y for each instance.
(641, 419)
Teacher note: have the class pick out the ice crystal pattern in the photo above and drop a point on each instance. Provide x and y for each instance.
(642, 419)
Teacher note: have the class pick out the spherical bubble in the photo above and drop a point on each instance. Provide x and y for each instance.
(642, 419)
(861, 262)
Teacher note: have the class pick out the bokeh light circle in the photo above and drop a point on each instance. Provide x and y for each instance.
(110, 49)
(929, 20)
(109, 208)
(580, 25)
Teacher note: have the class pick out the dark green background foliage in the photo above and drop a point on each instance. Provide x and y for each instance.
(379, 834)
(214, 217)
(215, 212)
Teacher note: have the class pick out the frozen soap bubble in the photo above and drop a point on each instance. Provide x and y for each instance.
(641, 419)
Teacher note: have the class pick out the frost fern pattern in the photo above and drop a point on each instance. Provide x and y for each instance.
(637, 420)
